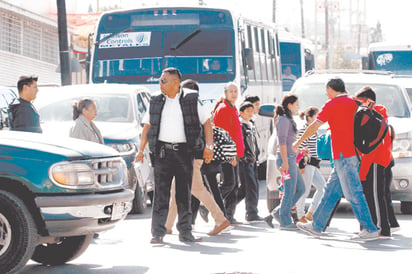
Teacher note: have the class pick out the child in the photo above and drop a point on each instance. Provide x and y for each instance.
(249, 185)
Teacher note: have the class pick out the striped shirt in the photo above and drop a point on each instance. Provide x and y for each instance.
(309, 143)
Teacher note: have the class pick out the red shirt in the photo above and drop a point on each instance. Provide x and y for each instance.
(339, 112)
(381, 155)
(227, 117)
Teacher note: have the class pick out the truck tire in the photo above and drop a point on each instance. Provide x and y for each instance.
(18, 233)
(140, 197)
(69, 248)
(406, 207)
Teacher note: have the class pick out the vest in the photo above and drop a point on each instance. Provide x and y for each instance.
(188, 103)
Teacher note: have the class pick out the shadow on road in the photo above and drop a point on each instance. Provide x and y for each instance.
(85, 268)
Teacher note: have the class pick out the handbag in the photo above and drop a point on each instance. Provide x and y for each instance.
(224, 148)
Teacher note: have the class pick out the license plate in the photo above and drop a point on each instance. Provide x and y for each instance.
(117, 211)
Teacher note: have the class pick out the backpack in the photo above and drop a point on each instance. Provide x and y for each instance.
(224, 148)
(370, 128)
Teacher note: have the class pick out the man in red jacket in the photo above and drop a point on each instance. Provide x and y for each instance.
(372, 170)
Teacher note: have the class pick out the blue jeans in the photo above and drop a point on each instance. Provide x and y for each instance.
(294, 189)
(344, 179)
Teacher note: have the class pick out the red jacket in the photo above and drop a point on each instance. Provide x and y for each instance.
(381, 155)
(227, 117)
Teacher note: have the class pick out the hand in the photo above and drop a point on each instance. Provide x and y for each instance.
(139, 156)
(284, 167)
(233, 162)
(208, 155)
(295, 146)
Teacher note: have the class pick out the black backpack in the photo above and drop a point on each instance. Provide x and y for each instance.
(370, 128)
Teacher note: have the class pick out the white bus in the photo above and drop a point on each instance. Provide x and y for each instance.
(211, 46)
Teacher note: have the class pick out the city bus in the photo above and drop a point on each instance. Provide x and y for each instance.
(393, 57)
(211, 46)
(295, 56)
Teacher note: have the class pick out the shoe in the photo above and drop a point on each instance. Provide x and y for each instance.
(189, 238)
(254, 219)
(156, 240)
(168, 231)
(233, 221)
(384, 237)
(276, 216)
(204, 213)
(309, 216)
(268, 220)
(395, 229)
(365, 235)
(219, 228)
(303, 220)
(308, 228)
(289, 227)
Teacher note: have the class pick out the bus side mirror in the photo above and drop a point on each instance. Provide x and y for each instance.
(248, 55)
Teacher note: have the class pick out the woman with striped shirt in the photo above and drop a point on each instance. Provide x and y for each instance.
(311, 174)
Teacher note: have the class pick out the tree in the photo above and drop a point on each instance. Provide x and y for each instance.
(376, 33)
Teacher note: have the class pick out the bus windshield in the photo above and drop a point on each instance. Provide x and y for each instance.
(134, 47)
(399, 62)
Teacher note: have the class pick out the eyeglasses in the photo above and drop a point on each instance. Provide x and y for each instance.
(163, 81)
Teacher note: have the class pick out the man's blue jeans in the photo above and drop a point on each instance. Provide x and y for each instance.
(294, 189)
(344, 179)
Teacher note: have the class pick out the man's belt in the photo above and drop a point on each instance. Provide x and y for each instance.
(173, 146)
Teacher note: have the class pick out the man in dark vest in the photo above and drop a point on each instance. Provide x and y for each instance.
(172, 126)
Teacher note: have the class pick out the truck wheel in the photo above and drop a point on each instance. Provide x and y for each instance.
(272, 203)
(406, 207)
(18, 233)
(69, 248)
(140, 197)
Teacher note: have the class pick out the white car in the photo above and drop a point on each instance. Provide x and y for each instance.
(311, 91)
(120, 109)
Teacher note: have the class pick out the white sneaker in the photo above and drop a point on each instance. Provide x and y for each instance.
(365, 235)
(308, 228)
(395, 229)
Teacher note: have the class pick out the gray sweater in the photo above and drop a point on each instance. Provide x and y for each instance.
(286, 133)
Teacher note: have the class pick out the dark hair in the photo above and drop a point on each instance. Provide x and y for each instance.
(173, 71)
(366, 93)
(190, 84)
(309, 112)
(252, 99)
(336, 84)
(283, 110)
(25, 80)
(80, 105)
(245, 105)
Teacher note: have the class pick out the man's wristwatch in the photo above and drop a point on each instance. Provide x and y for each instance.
(209, 147)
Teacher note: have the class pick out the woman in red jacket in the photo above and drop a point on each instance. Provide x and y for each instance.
(372, 170)
(226, 116)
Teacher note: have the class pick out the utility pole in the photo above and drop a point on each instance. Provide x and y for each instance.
(327, 35)
(66, 77)
(274, 11)
(302, 19)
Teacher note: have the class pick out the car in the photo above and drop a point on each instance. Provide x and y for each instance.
(120, 109)
(7, 94)
(311, 91)
(51, 200)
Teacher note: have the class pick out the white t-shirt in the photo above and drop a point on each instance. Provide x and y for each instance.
(171, 124)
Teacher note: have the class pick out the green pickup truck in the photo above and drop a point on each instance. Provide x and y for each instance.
(55, 195)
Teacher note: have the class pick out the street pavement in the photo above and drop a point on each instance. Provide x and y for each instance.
(247, 248)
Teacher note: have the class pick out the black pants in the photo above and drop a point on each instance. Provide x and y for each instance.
(229, 188)
(177, 164)
(393, 222)
(249, 189)
(375, 189)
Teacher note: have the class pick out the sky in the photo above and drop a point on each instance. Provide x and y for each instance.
(394, 18)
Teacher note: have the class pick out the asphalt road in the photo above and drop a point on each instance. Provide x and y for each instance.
(248, 248)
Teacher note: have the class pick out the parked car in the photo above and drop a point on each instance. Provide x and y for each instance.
(7, 94)
(55, 194)
(311, 91)
(120, 109)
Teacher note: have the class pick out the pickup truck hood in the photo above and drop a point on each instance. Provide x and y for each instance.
(23, 144)
(401, 125)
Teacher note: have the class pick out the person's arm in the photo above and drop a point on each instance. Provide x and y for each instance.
(284, 155)
(208, 153)
(143, 142)
(310, 130)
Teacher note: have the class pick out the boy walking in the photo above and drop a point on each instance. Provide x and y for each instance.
(249, 185)
(344, 179)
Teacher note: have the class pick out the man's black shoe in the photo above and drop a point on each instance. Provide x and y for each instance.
(189, 239)
(268, 220)
(156, 240)
(254, 219)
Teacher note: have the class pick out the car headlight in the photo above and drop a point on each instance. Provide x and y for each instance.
(72, 174)
(123, 148)
(402, 148)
